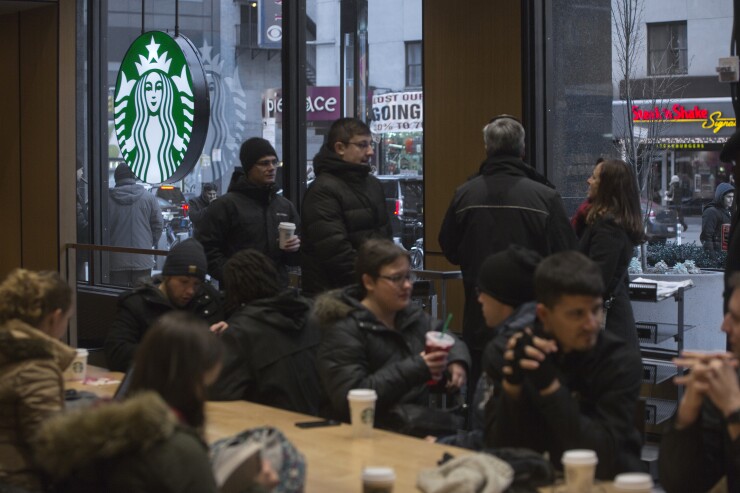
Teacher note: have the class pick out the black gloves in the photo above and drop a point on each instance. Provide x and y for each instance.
(540, 378)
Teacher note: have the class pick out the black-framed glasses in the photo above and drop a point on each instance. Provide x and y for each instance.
(361, 145)
(399, 279)
(269, 162)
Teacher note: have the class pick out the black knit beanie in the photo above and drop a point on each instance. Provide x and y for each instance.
(186, 259)
(123, 172)
(252, 150)
(508, 275)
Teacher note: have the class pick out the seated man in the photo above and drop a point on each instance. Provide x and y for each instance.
(271, 343)
(704, 444)
(567, 384)
(180, 287)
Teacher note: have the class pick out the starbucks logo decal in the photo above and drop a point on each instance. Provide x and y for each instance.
(161, 107)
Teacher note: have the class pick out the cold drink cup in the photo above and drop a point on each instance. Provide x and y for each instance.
(580, 469)
(77, 370)
(362, 411)
(378, 479)
(286, 231)
(437, 341)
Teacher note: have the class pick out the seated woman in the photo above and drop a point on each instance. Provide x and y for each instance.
(152, 441)
(35, 308)
(271, 340)
(374, 338)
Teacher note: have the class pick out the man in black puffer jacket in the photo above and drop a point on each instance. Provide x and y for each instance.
(341, 209)
(715, 215)
(248, 215)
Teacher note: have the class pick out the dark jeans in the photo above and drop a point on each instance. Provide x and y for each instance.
(128, 278)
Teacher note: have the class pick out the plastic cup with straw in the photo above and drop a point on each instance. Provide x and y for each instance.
(439, 341)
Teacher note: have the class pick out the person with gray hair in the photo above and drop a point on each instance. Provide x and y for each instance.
(507, 202)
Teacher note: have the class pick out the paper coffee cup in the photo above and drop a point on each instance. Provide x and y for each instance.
(285, 232)
(633, 482)
(77, 370)
(362, 411)
(580, 469)
(378, 479)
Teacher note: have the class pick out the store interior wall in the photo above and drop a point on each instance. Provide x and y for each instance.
(472, 72)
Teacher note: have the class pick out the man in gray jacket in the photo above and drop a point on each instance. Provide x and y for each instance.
(134, 221)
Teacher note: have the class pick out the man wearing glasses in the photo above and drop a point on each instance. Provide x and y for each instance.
(342, 208)
(248, 215)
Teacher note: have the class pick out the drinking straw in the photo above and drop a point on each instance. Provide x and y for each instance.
(447, 323)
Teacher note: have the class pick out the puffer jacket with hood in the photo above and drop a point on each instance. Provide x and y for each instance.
(31, 390)
(270, 355)
(247, 216)
(358, 351)
(134, 221)
(342, 208)
(136, 445)
(140, 307)
(713, 216)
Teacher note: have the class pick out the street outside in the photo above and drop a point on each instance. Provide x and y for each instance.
(692, 232)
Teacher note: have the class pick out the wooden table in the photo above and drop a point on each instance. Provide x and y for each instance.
(334, 459)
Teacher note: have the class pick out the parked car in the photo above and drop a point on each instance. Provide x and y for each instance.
(661, 221)
(174, 207)
(404, 200)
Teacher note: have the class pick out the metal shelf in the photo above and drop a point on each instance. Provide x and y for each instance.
(659, 410)
(656, 371)
(654, 333)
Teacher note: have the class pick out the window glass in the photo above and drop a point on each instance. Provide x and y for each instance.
(413, 63)
(667, 52)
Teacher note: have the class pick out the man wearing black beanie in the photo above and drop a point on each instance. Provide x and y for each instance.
(181, 286)
(249, 214)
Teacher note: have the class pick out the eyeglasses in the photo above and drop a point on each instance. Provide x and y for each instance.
(269, 162)
(399, 279)
(361, 145)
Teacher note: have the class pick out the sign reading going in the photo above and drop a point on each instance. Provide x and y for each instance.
(161, 107)
(398, 112)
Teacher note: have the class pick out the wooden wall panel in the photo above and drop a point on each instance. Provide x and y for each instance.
(39, 137)
(10, 195)
(67, 129)
(472, 71)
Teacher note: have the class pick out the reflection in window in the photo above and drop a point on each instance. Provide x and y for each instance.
(667, 52)
(413, 63)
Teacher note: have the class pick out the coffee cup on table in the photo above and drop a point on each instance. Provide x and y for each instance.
(633, 482)
(362, 411)
(77, 370)
(580, 469)
(286, 231)
(378, 480)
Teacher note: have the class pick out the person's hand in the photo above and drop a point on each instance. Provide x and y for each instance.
(436, 361)
(723, 388)
(219, 327)
(696, 387)
(514, 351)
(538, 364)
(292, 245)
(458, 376)
(267, 476)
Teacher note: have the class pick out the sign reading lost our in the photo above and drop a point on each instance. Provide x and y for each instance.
(161, 107)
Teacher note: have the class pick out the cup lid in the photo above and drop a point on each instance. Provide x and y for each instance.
(81, 352)
(378, 474)
(580, 456)
(633, 481)
(286, 225)
(362, 394)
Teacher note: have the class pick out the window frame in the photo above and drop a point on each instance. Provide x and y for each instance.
(674, 50)
(418, 66)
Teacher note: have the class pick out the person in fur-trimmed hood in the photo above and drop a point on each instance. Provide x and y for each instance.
(134, 445)
(34, 311)
(374, 338)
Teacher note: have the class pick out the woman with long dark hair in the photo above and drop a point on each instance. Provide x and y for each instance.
(614, 228)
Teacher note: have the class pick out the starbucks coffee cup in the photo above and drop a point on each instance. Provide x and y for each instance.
(580, 469)
(77, 370)
(378, 480)
(286, 231)
(362, 411)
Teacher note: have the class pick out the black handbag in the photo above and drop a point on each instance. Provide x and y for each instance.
(422, 421)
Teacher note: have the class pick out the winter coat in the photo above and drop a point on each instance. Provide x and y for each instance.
(507, 202)
(270, 355)
(493, 355)
(607, 244)
(140, 307)
(247, 216)
(342, 208)
(197, 208)
(136, 445)
(358, 351)
(698, 456)
(31, 389)
(134, 221)
(594, 408)
(714, 216)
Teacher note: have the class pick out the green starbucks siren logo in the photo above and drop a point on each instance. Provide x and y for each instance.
(161, 107)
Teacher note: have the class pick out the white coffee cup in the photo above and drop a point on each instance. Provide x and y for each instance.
(362, 411)
(378, 479)
(77, 370)
(633, 482)
(580, 469)
(285, 233)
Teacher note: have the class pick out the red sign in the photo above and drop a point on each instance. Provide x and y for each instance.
(675, 113)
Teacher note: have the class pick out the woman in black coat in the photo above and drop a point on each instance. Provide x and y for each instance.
(614, 227)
